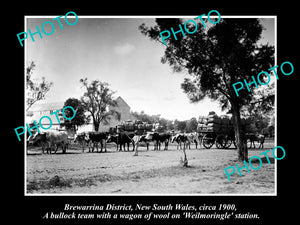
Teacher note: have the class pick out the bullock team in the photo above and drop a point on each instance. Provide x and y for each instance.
(123, 140)
(53, 140)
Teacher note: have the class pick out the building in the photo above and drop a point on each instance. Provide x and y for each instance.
(39, 110)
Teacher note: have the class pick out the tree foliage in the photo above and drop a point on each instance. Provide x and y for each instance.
(98, 101)
(191, 125)
(216, 58)
(180, 125)
(80, 117)
(35, 90)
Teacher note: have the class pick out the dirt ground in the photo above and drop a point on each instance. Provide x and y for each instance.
(151, 172)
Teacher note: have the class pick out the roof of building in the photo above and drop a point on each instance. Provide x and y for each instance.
(119, 99)
(42, 106)
(46, 106)
(44, 119)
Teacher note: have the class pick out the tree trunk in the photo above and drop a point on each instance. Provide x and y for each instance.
(184, 161)
(96, 126)
(240, 139)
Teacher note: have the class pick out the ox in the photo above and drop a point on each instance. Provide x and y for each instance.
(145, 139)
(256, 137)
(192, 138)
(179, 138)
(51, 139)
(158, 138)
(121, 139)
(94, 138)
(140, 136)
(82, 139)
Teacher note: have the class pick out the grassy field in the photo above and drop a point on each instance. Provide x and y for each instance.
(151, 172)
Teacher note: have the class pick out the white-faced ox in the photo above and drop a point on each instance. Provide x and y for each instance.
(82, 139)
(186, 139)
(159, 138)
(179, 138)
(139, 137)
(147, 138)
(51, 140)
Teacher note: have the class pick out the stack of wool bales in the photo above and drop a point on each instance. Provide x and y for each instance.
(158, 128)
(129, 125)
(202, 121)
(144, 126)
(210, 123)
(213, 123)
(224, 124)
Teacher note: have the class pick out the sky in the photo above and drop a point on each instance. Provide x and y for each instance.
(113, 50)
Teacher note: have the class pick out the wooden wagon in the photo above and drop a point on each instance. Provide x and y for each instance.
(218, 130)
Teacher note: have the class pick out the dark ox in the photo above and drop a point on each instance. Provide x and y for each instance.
(256, 137)
(51, 140)
(159, 138)
(94, 138)
(121, 139)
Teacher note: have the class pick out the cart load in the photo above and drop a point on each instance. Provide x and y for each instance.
(219, 130)
(135, 125)
(220, 124)
(158, 128)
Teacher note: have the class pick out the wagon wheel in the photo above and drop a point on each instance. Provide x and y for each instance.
(226, 142)
(219, 141)
(208, 141)
(234, 143)
(249, 145)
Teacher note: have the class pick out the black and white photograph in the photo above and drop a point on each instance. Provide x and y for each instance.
(151, 114)
(151, 105)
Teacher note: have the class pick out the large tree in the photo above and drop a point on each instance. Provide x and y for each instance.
(80, 117)
(216, 57)
(98, 101)
(261, 108)
(191, 125)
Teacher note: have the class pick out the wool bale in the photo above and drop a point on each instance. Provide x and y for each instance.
(202, 119)
(213, 119)
(214, 127)
(138, 122)
(149, 127)
(141, 126)
(128, 127)
(201, 127)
